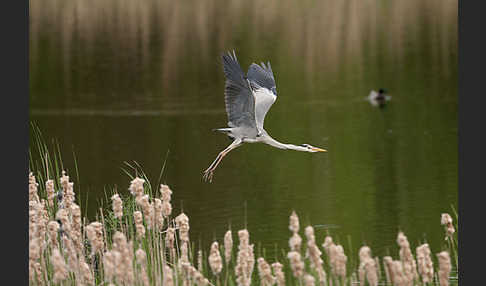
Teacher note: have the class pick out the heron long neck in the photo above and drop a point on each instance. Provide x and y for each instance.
(272, 142)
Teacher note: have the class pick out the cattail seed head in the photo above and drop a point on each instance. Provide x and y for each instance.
(147, 209)
(138, 219)
(294, 222)
(136, 187)
(279, 274)
(265, 272)
(309, 280)
(314, 254)
(158, 214)
(184, 252)
(295, 242)
(406, 256)
(296, 263)
(165, 192)
(446, 221)
(182, 222)
(424, 263)
(109, 265)
(59, 266)
(367, 267)
(214, 259)
(117, 206)
(51, 193)
(52, 229)
(76, 234)
(228, 246)
(33, 196)
(444, 267)
(170, 238)
(245, 259)
(94, 232)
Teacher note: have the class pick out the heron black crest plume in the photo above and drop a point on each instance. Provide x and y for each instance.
(248, 99)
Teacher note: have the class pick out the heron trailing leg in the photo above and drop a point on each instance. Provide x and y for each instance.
(208, 174)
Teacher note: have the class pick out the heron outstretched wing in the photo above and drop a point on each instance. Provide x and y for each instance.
(264, 88)
(239, 100)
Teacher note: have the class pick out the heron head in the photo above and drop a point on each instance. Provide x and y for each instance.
(312, 149)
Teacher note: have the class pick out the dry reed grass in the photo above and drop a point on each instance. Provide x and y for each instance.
(142, 249)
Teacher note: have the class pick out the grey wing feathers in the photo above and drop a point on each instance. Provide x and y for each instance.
(239, 100)
(263, 83)
(262, 75)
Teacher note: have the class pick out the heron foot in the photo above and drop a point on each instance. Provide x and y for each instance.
(208, 175)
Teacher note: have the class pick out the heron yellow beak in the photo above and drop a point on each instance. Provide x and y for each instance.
(318, 149)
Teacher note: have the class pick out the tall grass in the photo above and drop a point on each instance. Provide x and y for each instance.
(138, 240)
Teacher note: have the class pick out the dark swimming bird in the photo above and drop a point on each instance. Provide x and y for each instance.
(378, 98)
(248, 99)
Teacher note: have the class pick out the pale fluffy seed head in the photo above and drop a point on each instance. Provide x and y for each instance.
(296, 263)
(51, 193)
(446, 221)
(228, 246)
(117, 206)
(52, 229)
(214, 259)
(136, 187)
(424, 263)
(265, 272)
(182, 222)
(309, 280)
(94, 232)
(309, 233)
(444, 267)
(295, 242)
(59, 266)
(170, 238)
(184, 252)
(165, 192)
(33, 196)
(364, 253)
(158, 214)
(279, 274)
(294, 222)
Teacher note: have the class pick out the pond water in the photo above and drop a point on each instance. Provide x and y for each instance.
(124, 81)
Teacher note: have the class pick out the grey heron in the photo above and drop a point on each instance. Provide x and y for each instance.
(248, 99)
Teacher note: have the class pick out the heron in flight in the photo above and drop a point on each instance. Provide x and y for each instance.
(248, 99)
